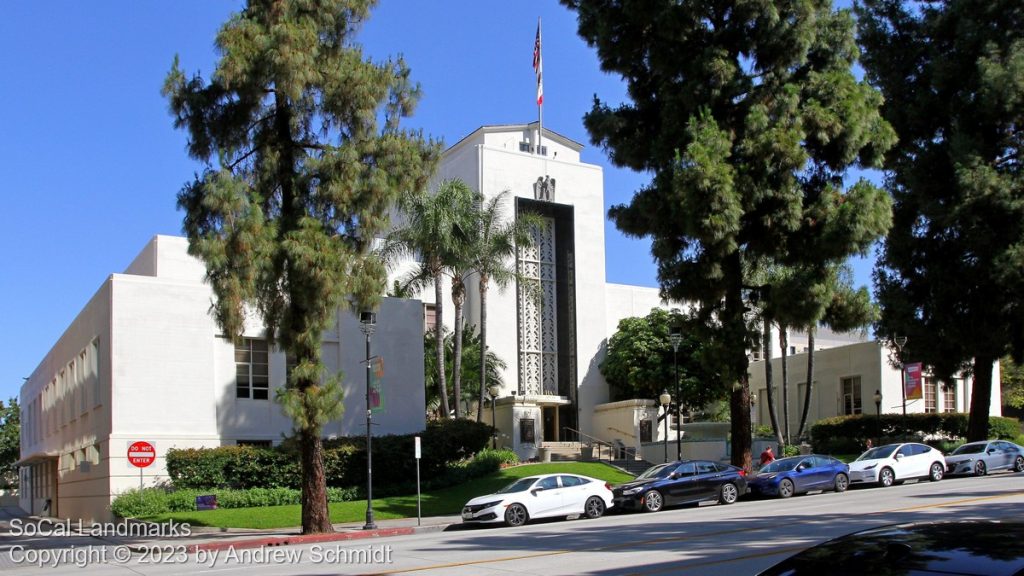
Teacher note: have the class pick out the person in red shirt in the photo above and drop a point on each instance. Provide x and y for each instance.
(767, 456)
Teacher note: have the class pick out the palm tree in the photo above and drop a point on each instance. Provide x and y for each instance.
(493, 368)
(848, 309)
(434, 224)
(494, 249)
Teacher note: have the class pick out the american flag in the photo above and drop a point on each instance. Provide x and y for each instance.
(538, 67)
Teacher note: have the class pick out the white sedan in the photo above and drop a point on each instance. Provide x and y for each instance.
(546, 496)
(979, 458)
(892, 463)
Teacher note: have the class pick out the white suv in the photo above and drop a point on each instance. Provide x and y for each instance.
(894, 463)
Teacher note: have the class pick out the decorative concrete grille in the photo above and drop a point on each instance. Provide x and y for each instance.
(538, 340)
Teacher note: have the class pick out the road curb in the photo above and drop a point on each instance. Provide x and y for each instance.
(301, 539)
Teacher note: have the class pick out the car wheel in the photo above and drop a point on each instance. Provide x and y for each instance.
(842, 482)
(516, 515)
(979, 468)
(936, 472)
(886, 477)
(786, 488)
(594, 508)
(1018, 464)
(653, 501)
(729, 493)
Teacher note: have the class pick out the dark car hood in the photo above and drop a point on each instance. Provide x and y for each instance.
(973, 548)
(636, 483)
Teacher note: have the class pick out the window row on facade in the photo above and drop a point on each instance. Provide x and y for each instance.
(74, 391)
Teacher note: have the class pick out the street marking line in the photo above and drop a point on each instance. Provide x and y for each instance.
(679, 539)
(474, 562)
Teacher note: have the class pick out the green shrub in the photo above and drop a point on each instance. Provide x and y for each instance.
(790, 450)
(197, 467)
(444, 443)
(1003, 428)
(847, 434)
(505, 456)
(151, 501)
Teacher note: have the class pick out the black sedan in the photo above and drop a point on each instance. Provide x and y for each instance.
(970, 547)
(681, 482)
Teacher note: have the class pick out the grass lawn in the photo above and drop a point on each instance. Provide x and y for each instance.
(447, 501)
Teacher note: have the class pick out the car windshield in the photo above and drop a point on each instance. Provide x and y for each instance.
(518, 486)
(783, 465)
(659, 471)
(970, 449)
(880, 452)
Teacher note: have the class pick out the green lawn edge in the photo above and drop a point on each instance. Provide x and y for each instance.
(444, 502)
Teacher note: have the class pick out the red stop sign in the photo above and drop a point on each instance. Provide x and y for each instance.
(141, 454)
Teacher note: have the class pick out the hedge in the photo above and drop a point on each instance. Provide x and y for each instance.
(847, 434)
(151, 501)
(444, 443)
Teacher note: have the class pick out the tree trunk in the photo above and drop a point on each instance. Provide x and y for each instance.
(784, 343)
(442, 385)
(458, 300)
(315, 515)
(766, 339)
(483, 347)
(736, 348)
(981, 399)
(810, 379)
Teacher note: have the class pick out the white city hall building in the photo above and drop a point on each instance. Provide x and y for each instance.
(145, 361)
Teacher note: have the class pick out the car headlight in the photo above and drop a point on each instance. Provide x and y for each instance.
(632, 491)
(478, 507)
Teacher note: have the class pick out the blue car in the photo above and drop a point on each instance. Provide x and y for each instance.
(798, 474)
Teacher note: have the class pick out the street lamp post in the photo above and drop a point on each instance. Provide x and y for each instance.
(675, 337)
(665, 399)
(367, 325)
(492, 391)
(900, 342)
(878, 417)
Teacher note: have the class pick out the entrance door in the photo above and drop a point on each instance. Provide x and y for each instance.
(550, 424)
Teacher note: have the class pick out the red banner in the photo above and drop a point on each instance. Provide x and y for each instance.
(914, 382)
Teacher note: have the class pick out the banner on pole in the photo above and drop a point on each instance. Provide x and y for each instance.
(914, 382)
(376, 390)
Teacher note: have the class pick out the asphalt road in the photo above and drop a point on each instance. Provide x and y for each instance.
(711, 539)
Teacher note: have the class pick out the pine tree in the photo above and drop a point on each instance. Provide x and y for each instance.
(748, 116)
(951, 271)
(303, 154)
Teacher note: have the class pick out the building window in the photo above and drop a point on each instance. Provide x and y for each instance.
(429, 317)
(851, 395)
(948, 397)
(252, 374)
(929, 395)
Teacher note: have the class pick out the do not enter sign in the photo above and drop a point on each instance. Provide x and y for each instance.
(141, 454)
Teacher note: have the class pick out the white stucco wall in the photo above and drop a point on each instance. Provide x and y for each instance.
(66, 417)
(166, 375)
(869, 361)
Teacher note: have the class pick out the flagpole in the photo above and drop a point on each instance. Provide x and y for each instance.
(540, 83)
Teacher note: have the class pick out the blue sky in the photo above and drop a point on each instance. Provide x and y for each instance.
(92, 163)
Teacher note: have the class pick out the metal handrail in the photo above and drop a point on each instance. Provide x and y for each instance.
(601, 445)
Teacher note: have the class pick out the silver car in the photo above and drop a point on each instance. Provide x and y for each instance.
(978, 458)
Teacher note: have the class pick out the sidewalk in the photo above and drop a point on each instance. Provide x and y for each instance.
(209, 538)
